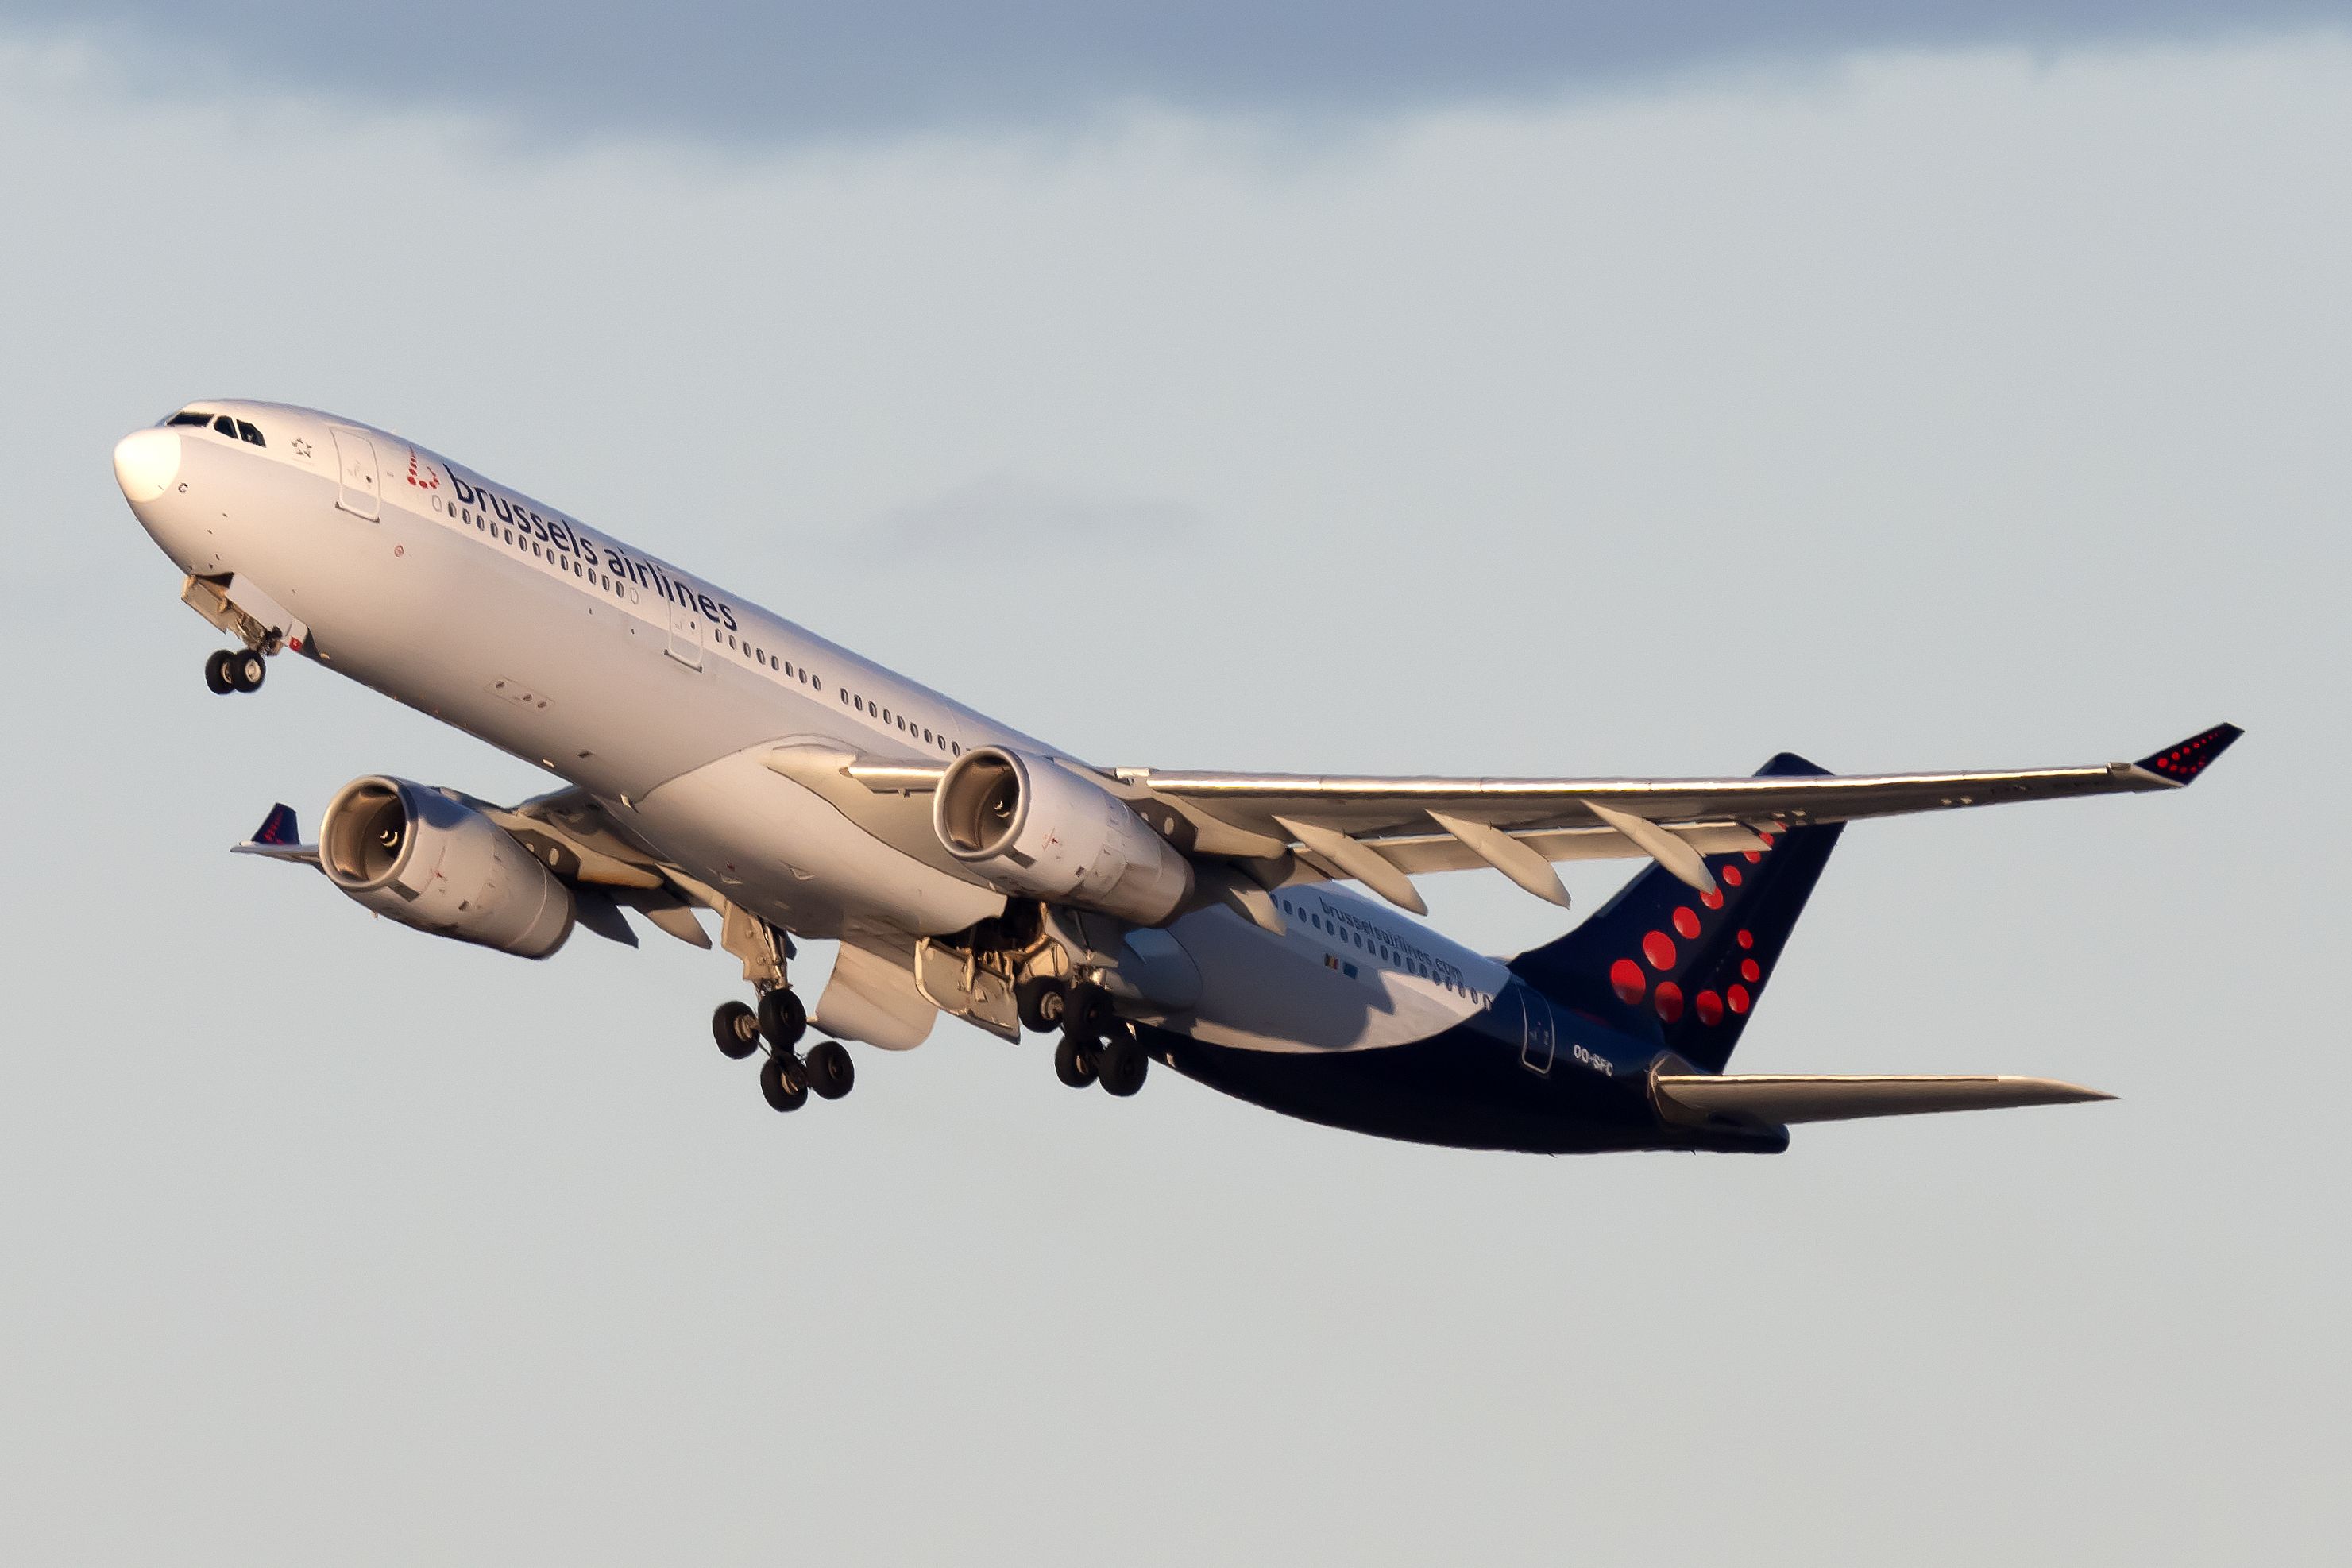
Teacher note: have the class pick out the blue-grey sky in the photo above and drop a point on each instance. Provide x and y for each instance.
(800, 70)
(1925, 407)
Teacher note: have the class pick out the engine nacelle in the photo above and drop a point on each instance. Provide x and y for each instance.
(414, 856)
(1034, 828)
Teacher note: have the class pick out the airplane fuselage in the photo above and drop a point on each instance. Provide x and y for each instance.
(664, 695)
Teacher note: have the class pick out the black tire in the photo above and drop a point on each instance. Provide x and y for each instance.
(216, 673)
(1090, 1010)
(831, 1073)
(783, 1079)
(1042, 1003)
(737, 1029)
(1074, 1061)
(783, 1019)
(247, 671)
(1122, 1065)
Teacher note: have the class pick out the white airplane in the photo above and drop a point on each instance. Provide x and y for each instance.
(719, 757)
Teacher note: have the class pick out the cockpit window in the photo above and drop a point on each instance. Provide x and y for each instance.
(235, 429)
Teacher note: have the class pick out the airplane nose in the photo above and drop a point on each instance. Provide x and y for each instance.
(146, 462)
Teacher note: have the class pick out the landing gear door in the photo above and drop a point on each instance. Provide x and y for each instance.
(1537, 1045)
(685, 626)
(357, 488)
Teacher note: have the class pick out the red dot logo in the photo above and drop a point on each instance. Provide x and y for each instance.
(1712, 897)
(1731, 875)
(1626, 976)
(1754, 856)
(1747, 938)
(1738, 998)
(1659, 949)
(1709, 1007)
(1686, 923)
(1670, 1000)
(1750, 971)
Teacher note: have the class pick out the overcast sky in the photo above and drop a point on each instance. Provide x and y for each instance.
(799, 72)
(1970, 394)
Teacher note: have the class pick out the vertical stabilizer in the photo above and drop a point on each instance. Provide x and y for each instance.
(1663, 961)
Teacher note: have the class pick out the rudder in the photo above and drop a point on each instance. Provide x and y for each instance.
(1662, 961)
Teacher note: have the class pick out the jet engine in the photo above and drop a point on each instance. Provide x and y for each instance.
(1034, 828)
(417, 856)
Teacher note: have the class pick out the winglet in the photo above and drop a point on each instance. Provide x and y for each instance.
(279, 838)
(278, 827)
(2182, 762)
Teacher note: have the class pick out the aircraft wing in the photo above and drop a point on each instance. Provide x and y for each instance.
(1382, 830)
(606, 870)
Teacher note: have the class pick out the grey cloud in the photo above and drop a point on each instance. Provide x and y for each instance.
(797, 71)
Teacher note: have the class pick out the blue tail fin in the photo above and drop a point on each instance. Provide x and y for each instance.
(1661, 962)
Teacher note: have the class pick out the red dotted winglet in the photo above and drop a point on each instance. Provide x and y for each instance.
(2184, 761)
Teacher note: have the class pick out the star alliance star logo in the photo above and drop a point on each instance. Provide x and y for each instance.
(302, 447)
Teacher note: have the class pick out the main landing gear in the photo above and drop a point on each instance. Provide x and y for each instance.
(1096, 1044)
(776, 1026)
(236, 669)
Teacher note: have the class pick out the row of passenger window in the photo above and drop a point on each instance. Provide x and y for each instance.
(906, 727)
(482, 523)
(235, 429)
(1380, 950)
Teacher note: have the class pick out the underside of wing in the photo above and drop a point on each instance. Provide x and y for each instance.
(1382, 830)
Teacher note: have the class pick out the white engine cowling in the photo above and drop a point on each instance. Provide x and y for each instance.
(414, 856)
(1032, 827)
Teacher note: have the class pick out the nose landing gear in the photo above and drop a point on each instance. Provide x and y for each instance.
(235, 669)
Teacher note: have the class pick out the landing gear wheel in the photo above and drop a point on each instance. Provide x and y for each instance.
(217, 674)
(1074, 1061)
(247, 671)
(783, 1078)
(737, 1029)
(1122, 1065)
(1090, 1010)
(830, 1071)
(1042, 1004)
(783, 1019)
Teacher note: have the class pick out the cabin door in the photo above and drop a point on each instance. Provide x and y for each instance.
(1537, 1045)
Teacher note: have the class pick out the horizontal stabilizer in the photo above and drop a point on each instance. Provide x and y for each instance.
(1814, 1097)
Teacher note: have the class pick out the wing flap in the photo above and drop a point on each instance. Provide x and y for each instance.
(1814, 1097)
